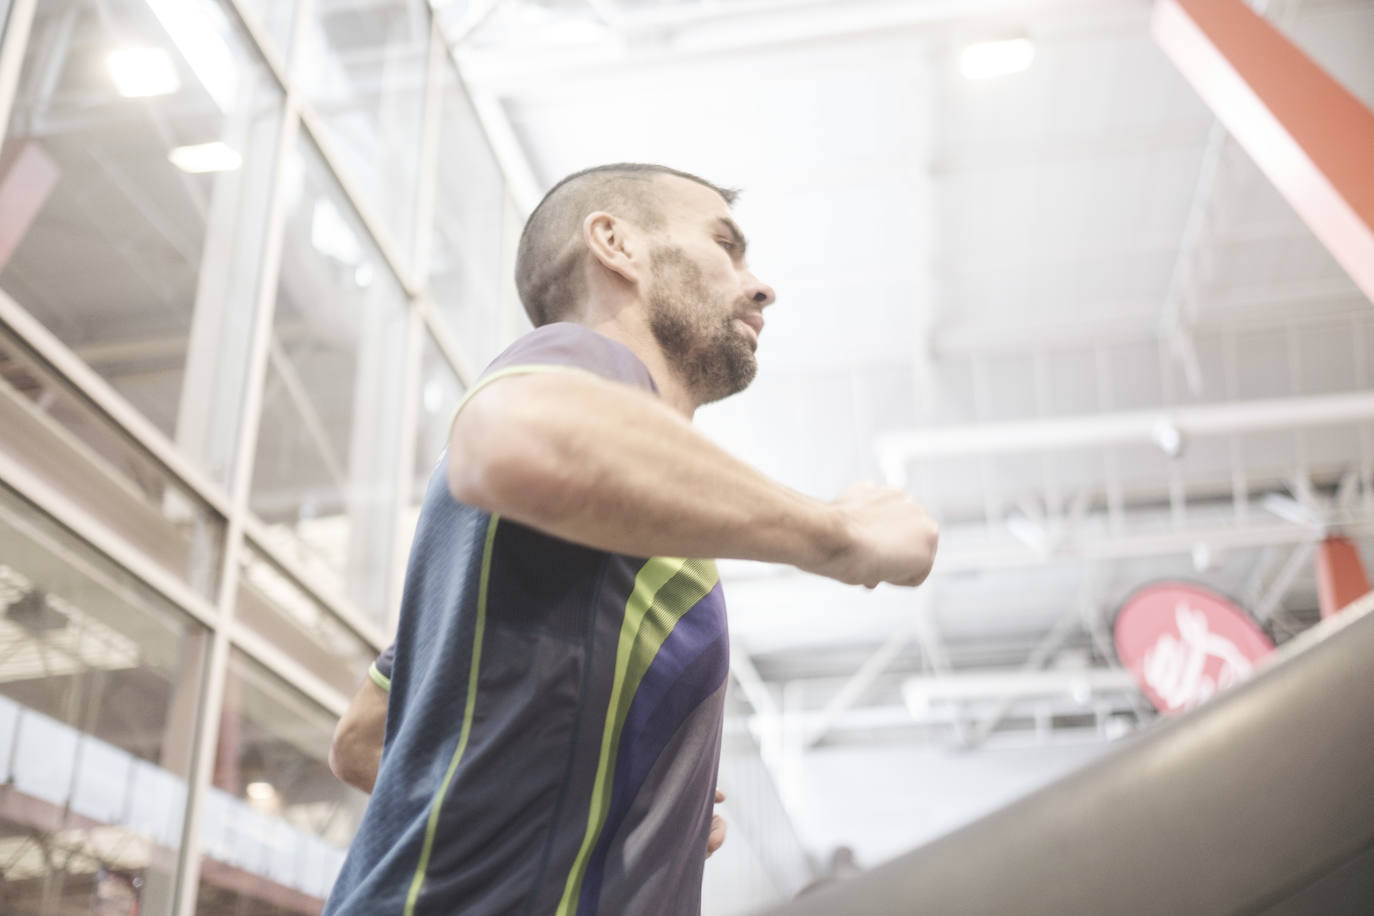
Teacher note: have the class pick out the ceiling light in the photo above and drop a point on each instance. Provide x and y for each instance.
(198, 37)
(260, 791)
(205, 157)
(987, 59)
(1168, 437)
(142, 72)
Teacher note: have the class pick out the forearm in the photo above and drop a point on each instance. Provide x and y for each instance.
(607, 466)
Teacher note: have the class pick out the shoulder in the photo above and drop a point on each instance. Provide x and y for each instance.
(564, 345)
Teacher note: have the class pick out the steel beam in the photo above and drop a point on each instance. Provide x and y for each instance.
(1139, 427)
(1283, 581)
(1030, 674)
(1097, 544)
(1021, 684)
(702, 31)
(918, 625)
(1310, 135)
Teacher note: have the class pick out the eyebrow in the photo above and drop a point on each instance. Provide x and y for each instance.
(733, 231)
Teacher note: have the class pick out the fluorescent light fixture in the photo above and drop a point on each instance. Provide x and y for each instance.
(260, 791)
(205, 157)
(987, 59)
(1168, 437)
(197, 34)
(142, 72)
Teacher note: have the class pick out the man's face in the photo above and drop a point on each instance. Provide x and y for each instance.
(705, 306)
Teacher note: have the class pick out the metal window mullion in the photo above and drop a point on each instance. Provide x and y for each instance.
(305, 13)
(88, 528)
(275, 65)
(338, 607)
(109, 403)
(448, 345)
(410, 418)
(372, 224)
(502, 142)
(12, 46)
(429, 157)
(216, 669)
(261, 650)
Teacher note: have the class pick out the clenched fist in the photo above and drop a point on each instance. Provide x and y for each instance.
(885, 537)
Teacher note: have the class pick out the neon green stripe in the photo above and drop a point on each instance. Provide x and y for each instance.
(671, 586)
(478, 629)
(381, 680)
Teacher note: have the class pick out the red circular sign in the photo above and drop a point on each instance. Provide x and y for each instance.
(1184, 643)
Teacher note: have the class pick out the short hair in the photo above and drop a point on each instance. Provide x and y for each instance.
(548, 264)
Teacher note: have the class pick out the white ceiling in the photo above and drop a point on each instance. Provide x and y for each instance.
(949, 252)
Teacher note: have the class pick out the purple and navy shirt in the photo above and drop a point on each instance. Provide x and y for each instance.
(555, 711)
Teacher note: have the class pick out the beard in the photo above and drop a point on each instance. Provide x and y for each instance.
(696, 330)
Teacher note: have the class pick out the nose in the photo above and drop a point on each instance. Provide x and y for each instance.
(761, 293)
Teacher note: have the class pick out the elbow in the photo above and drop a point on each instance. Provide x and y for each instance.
(338, 757)
(346, 761)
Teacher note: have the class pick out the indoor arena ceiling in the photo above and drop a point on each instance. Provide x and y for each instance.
(1076, 239)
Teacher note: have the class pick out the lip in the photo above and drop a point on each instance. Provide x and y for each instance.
(754, 322)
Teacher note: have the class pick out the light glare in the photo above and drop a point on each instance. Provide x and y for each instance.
(205, 157)
(142, 72)
(987, 59)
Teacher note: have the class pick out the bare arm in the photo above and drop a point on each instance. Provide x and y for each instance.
(356, 751)
(606, 465)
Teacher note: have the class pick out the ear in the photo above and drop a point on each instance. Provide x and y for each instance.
(614, 245)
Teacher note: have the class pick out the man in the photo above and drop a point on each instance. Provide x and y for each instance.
(554, 718)
(355, 752)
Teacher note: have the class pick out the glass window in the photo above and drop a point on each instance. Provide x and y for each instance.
(325, 478)
(99, 682)
(277, 822)
(469, 227)
(274, 606)
(363, 70)
(138, 160)
(60, 438)
(277, 19)
(440, 392)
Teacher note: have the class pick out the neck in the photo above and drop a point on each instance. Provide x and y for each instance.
(629, 327)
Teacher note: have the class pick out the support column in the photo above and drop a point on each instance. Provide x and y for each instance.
(1340, 575)
(217, 346)
(1310, 135)
(370, 499)
(178, 736)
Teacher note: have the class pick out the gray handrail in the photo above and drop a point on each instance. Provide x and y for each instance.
(1232, 808)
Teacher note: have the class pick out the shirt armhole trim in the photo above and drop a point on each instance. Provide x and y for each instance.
(381, 680)
(522, 369)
